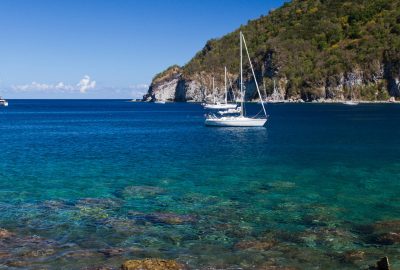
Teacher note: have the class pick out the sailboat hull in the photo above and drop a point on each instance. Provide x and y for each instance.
(350, 103)
(220, 106)
(235, 122)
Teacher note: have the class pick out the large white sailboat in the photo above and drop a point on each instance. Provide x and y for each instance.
(240, 120)
(3, 102)
(219, 105)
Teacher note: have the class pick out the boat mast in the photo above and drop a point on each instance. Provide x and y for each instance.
(241, 75)
(226, 90)
(213, 88)
(254, 75)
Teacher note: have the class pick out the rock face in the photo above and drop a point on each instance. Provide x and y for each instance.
(171, 85)
(312, 49)
(164, 85)
(176, 87)
(152, 264)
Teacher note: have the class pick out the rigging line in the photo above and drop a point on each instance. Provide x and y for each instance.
(254, 75)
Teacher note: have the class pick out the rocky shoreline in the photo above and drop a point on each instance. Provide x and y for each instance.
(172, 86)
(353, 246)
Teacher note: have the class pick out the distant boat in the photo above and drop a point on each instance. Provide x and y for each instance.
(350, 103)
(240, 120)
(230, 111)
(159, 102)
(3, 102)
(219, 105)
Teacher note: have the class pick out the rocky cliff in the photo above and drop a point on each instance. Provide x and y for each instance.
(313, 49)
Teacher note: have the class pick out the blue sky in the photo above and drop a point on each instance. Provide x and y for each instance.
(106, 49)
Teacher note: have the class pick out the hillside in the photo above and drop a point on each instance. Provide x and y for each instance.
(314, 49)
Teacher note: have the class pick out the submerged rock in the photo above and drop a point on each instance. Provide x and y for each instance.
(382, 264)
(110, 252)
(5, 234)
(142, 191)
(55, 204)
(121, 225)
(352, 256)
(98, 268)
(170, 218)
(255, 244)
(105, 203)
(152, 264)
(281, 185)
(382, 232)
(334, 238)
(89, 212)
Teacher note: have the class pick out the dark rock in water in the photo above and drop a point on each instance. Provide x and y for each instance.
(389, 238)
(152, 264)
(383, 232)
(382, 264)
(110, 252)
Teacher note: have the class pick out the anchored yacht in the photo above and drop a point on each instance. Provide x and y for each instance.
(219, 105)
(3, 102)
(241, 120)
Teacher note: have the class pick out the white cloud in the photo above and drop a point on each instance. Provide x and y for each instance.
(86, 84)
(82, 86)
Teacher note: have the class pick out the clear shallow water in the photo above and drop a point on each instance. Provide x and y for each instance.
(98, 182)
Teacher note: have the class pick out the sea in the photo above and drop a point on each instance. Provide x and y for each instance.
(90, 183)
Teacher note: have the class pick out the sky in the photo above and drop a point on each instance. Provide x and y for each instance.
(107, 49)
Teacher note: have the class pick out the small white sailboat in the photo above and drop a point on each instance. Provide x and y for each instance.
(3, 102)
(242, 120)
(219, 105)
(230, 111)
(350, 102)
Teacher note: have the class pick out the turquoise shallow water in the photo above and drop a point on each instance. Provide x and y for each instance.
(89, 183)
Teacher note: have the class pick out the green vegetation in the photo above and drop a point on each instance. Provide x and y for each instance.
(312, 44)
(167, 72)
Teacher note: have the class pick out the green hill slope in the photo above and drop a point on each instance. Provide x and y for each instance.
(312, 48)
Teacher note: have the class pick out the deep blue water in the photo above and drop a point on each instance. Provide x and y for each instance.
(152, 181)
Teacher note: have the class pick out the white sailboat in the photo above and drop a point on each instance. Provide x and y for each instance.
(241, 120)
(350, 102)
(218, 105)
(3, 102)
